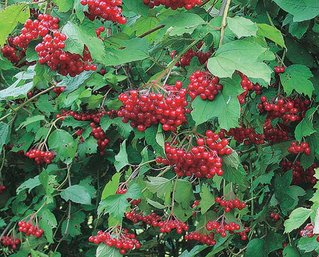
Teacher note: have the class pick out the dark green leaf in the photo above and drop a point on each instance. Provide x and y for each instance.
(76, 194)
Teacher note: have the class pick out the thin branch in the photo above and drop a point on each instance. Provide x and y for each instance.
(224, 21)
(151, 31)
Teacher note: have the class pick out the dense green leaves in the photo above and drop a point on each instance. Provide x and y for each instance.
(90, 185)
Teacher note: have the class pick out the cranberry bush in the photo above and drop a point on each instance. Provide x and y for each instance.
(159, 128)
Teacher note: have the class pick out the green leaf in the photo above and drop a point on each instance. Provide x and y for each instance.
(4, 133)
(307, 244)
(297, 77)
(256, 247)
(121, 159)
(155, 204)
(272, 33)
(129, 50)
(286, 194)
(64, 144)
(89, 146)
(84, 34)
(111, 187)
(76, 194)
(184, 192)
(290, 251)
(241, 55)
(234, 175)
(301, 10)
(182, 23)
(48, 222)
(64, 5)
(225, 108)
(116, 205)
(31, 120)
(159, 185)
(242, 27)
(207, 199)
(296, 218)
(10, 17)
(74, 224)
(15, 90)
(73, 83)
(305, 127)
(154, 137)
(29, 184)
(106, 251)
(44, 104)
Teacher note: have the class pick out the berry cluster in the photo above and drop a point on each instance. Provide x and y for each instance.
(99, 30)
(51, 52)
(168, 225)
(201, 238)
(40, 156)
(143, 108)
(296, 148)
(279, 69)
(276, 133)
(84, 116)
(122, 189)
(248, 86)
(34, 29)
(173, 4)
(186, 58)
(222, 227)
(202, 161)
(301, 176)
(97, 131)
(11, 52)
(2, 188)
(58, 90)
(231, 204)
(205, 85)
(100, 136)
(275, 216)
(151, 219)
(289, 110)
(155, 220)
(122, 241)
(244, 135)
(105, 9)
(195, 204)
(10, 242)
(29, 229)
(243, 234)
(307, 231)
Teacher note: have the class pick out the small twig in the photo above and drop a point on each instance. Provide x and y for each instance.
(28, 101)
(224, 21)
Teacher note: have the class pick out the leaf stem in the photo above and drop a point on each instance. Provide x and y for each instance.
(173, 196)
(151, 31)
(224, 21)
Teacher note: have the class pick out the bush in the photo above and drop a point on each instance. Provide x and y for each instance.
(159, 128)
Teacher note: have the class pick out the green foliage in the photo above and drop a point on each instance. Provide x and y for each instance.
(105, 166)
